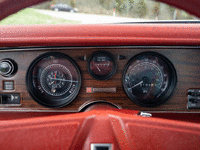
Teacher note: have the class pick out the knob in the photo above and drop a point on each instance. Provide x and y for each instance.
(8, 67)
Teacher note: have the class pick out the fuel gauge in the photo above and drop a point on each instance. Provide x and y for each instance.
(101, 65)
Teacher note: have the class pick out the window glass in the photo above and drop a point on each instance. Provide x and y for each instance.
(96, 11)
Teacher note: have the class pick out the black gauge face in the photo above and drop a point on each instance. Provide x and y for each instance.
(101, 65)
(149, 79)
(53, 80)
(56, 79)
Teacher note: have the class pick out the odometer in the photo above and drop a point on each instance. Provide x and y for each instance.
(53, 79)
(149, 79)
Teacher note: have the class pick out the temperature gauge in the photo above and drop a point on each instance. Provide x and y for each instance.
(101, 65)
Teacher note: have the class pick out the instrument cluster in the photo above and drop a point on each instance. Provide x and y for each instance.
(65, 79)
(54, 79)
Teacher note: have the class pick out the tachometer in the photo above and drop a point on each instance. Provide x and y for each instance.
(53, 79)
(149, 79)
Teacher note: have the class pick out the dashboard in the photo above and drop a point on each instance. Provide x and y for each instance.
(144, 78)
(57, 57)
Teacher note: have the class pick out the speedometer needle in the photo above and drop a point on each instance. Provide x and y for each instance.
(137, 84)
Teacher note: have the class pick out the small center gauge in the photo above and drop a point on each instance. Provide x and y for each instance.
(101, 65)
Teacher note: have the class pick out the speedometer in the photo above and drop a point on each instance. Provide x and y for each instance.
(53, 80)
(149, 79)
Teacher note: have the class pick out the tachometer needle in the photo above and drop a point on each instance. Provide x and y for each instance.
(63, 80)
(55, 76)
(137, 84)
(51, 83)
(66, 80)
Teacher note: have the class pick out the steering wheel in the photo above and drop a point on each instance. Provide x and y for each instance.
(100, 127)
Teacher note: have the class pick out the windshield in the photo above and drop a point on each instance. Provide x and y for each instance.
(96, 11)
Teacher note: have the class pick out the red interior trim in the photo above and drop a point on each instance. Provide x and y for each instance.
(100, 35)
(8, 7)
(191, 6)
(78, 131)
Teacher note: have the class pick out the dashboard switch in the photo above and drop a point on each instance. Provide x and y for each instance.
(8, 67)
(193, 98)
(8, 85)
(10, 98)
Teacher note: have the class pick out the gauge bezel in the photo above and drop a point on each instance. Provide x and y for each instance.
(107, 76)
(169, 90)
(58, 102)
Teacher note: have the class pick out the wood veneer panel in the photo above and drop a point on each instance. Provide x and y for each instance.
(186, 61)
